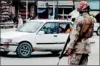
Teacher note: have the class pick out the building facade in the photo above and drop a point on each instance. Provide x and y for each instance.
(5, 10)
(48, 8)
(43, 9)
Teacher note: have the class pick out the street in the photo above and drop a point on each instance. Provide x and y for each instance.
(49, 23)
(46, 58)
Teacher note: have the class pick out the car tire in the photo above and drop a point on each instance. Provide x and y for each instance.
(4, 53)
(98, 31)
(24, 50)
(55, 52)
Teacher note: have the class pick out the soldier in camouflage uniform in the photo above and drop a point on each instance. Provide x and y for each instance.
(79, 46)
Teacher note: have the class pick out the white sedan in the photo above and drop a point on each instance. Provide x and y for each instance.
(36, 35)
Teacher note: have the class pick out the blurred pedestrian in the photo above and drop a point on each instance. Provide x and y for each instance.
(65, 17)
(79, 47)
(11, 15)
(69, 17)
(20, 21)
(15, 20)
(73, 19)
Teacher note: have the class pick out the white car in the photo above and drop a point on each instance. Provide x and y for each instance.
(35, 35)
(97, 28)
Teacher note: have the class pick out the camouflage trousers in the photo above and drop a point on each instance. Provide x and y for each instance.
(78, 59)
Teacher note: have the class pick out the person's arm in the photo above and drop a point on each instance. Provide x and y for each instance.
(74, 35)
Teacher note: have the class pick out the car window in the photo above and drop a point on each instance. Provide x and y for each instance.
(50, 28)
(30, 27)
(64, 27)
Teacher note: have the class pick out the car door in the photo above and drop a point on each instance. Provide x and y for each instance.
(48, 40)
(62, 36)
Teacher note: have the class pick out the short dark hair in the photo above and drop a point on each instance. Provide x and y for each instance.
(73, 19)
(69, 16)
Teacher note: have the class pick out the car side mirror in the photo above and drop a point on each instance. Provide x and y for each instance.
(41, 32)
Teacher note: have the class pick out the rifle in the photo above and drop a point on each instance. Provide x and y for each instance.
(61, 55)
(79, 39)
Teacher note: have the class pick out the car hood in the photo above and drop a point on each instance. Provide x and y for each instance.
(13, 34)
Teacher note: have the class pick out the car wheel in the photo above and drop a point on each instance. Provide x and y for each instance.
(55, 52)
(24, 50)
(98, 31)
(4, 53)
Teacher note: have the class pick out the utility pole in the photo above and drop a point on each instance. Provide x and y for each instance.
(53, 9)
(47, 7)
(73, 4)
(26, 9)
(63, 14)
(36, 8)
(57, 10)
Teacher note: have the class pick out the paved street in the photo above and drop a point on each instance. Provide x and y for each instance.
(46, 58)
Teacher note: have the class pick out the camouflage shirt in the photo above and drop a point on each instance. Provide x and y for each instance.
(82, 46)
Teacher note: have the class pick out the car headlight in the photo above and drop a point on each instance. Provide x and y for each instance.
(3, 41)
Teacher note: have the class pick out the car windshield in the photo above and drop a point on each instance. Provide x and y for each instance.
(31, 27)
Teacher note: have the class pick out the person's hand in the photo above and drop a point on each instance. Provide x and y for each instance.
(69, 51)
